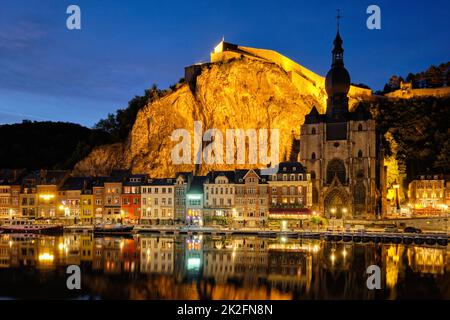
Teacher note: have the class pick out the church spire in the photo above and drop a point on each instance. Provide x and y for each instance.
(337, 81)
(338, 51)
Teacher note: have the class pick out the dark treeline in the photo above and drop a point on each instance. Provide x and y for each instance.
(433, 77)
(420, 127)
(59, 145)
(47, 145)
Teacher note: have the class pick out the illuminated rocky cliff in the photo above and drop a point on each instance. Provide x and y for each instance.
(241, 88)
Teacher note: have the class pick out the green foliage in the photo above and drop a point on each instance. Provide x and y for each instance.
(420, 128)
(46, 145)
(120, 124)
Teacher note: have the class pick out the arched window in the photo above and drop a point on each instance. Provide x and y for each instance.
(360, 127)
(336, 168)
(313, 175)
(313, 131)
(313, 156)
(360, 154)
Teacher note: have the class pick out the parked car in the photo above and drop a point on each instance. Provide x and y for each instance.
(412, 230)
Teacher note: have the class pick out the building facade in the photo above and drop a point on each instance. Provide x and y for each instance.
(158, 201)
(251, 199)
(428, 191)
(195, 201)
(290, 196)
(131, 198)
(219, 197)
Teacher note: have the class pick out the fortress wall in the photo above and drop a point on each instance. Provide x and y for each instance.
(411, 93)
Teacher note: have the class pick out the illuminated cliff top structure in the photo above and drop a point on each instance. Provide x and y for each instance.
(300, 76)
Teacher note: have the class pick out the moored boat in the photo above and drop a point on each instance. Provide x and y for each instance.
(29, 226)
(442, 241)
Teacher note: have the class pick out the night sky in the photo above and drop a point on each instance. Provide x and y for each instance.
(50, 73)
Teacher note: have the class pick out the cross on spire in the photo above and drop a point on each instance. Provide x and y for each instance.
(338, 18)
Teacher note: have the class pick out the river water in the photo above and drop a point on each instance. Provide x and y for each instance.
(206, 267)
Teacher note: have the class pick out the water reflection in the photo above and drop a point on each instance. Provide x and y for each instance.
(205, 267)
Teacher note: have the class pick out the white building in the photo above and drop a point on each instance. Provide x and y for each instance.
(219, 197)
(158, 201)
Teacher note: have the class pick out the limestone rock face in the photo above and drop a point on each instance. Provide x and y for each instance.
(102, 160)
(237, 94)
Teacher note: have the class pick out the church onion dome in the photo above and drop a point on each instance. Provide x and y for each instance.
(337, 80)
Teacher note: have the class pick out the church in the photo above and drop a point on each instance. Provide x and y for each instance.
(339, 148)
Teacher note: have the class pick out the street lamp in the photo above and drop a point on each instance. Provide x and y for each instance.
(396, 186)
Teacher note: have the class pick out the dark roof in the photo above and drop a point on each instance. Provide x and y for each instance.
(314, 116)
(54, 177)
(288, 167)
(11, 176)
(212, 175)
(118, 175)
(76, 183)
(160, 182)
(128, 182)
(197, 185)
(99, 181)
(241, 173)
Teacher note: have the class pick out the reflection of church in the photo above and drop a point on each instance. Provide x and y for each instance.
(339, 149)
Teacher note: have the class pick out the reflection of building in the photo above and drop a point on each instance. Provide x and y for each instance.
(193, 256)
(157, 255)
(219, 260)
(5, 252)
(426, 260)
(251, 199)
(290, 268)
(158, 201)
(219, 197)
(393, 264)
(428, 191)
(339, 149)
(251, 259)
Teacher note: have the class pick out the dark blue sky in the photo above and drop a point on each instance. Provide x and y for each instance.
(50, 73)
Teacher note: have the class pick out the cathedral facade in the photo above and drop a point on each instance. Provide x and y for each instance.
(339, 149)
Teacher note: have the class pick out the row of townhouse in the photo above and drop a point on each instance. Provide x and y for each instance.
(239, 198)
